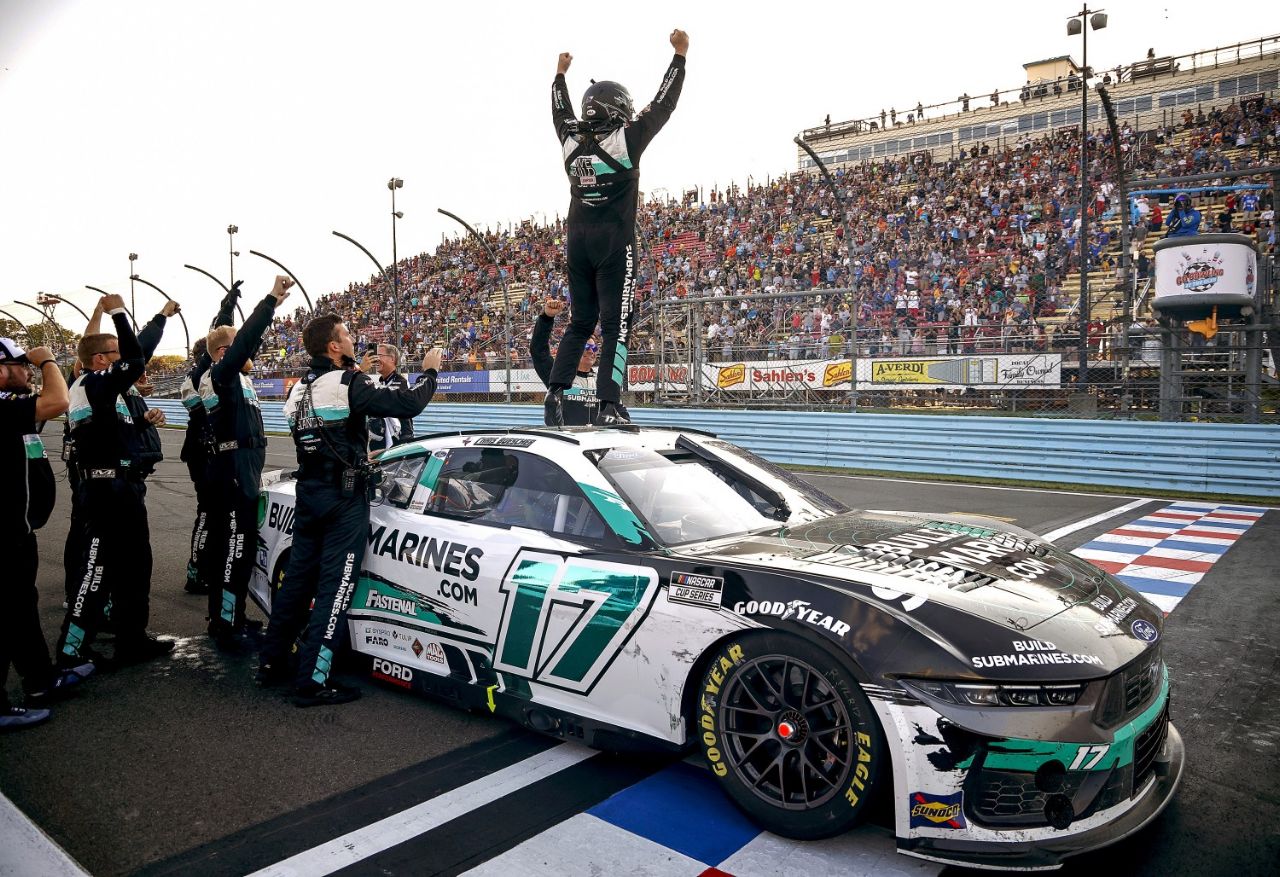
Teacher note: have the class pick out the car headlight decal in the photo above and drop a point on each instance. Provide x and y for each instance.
(977, 694)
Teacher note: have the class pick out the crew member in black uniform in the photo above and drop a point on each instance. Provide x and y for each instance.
(328, 411)
(385, 432)
(195, 454)
(28, 500)
(114, 454)
(238, 451)
(602, 158)
(196, 442)
(578, 402)
(150, 453)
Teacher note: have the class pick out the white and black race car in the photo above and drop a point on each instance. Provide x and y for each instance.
(630, 586)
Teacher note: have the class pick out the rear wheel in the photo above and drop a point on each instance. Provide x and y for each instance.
(789, 734)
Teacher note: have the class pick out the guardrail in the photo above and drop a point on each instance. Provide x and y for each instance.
(1216, 458)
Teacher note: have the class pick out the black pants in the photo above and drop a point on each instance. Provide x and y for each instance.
(116, 565)
(198, 470)
(232, 498)
(330, 532)
(21, 641)
(601, 263)
(73, 548)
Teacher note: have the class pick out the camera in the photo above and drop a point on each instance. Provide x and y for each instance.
(371, 349)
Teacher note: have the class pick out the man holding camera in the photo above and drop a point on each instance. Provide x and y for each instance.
(385, 432)
(328, 411)
(1184, 221)
(237, 453)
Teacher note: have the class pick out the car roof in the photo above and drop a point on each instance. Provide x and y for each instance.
(584, 437)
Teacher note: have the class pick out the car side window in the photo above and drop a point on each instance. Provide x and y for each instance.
(398, 480)
(511, 488)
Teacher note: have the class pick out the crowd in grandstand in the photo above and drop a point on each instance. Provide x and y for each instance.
(947, 255)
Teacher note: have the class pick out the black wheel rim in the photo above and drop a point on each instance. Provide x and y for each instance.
(787, 732)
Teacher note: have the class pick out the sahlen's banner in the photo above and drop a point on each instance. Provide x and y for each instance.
(946, 372)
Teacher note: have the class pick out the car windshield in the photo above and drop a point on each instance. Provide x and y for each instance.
(680, 502)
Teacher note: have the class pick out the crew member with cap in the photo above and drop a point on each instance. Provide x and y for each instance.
(1184, 220)
(579, 401)
(238, 445)
(602, 159)
(328, 411)
(28, 500)
(385, 432)
(114, 454)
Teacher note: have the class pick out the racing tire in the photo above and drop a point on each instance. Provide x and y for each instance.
(789, 735)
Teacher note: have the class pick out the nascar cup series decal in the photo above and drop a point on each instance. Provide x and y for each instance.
(693, 589)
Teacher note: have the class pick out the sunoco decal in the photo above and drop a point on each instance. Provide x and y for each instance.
(937, 811)
(693, 589)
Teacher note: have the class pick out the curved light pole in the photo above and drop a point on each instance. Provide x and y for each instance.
(381, 270)
(44, 318)
(848, 243)
(21, 325)
(1075, 25)
(132, 319)
(310, 307)
(60, 300)
(506, 296)
(225, 288)
(133, 300)
(185, 333)
(231, 250)
(393, 184)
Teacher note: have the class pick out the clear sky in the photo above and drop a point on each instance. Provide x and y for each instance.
(148, 126)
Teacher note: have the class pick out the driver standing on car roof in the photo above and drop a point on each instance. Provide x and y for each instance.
(328, 411)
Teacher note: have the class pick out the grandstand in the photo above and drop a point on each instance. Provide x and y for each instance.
(963, 232)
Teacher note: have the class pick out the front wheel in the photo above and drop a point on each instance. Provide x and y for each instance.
(789, 735)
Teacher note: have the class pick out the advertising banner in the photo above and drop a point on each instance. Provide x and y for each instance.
(644, 378)
(459, 382)
(947, 372)
(270, 387)
(1206, 268)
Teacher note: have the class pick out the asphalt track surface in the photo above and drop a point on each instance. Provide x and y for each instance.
(183, 766)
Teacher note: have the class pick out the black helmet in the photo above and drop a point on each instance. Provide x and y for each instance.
(606, 105)
(1182, 201)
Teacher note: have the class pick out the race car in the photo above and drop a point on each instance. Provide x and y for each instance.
(634, 586)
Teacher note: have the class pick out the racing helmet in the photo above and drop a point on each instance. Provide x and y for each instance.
(1182, 202)
(606, 104)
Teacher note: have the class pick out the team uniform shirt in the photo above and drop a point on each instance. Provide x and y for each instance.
(385, 432)
(24, 465)
(107, 440)
(580, 402)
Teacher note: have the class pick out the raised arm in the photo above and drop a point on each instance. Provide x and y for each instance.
(368, 400)
(540, 343)
(659, 110)
(562, 115)
(151, 333)
(53, 398)
(227, 308)
(126, 370)
(249, 338)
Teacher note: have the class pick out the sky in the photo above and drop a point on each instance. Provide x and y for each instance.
(149, 126)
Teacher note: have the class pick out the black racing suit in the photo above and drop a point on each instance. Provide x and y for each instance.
(580, 403)
(149, 455)
(238, 453)
(113, 463)
(328, 411)
(195, 450)
(604, 181)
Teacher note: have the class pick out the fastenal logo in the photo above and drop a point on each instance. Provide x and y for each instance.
(731, 376)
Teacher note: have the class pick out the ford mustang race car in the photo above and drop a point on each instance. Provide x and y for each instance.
(631, 585)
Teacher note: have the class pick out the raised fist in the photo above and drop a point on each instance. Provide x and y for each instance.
(111, 302)
(281, 289)
(170, 308)
(553, 307)
(562, 66)
(679, 41)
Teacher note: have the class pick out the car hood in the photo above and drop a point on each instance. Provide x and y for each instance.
(922, 564)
